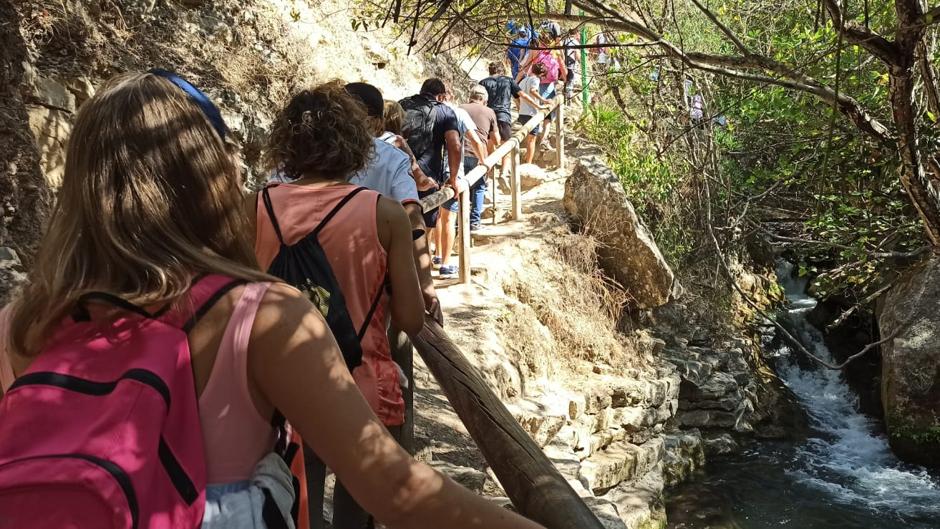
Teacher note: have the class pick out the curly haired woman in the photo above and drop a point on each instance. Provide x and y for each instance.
(320, 139)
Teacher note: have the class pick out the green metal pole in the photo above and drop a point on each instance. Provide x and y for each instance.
(584, 76)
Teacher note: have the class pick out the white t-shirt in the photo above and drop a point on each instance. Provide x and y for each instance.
(464, 124)
(388, 172)
(528, 85)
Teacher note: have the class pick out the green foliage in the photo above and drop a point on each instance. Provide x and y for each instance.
(650, 181)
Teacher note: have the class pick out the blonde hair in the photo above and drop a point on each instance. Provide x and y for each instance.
(394, 116)
(150, 198)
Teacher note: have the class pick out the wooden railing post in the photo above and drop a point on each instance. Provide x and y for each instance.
(515, 185)
(493, 183)
(463, 225)
(560, 137)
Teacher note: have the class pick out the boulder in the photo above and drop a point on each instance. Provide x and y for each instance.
(910, 372)
(51, 129)
(531, 176)
(595, 199)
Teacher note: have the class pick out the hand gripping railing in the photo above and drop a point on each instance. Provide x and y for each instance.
(511, 147)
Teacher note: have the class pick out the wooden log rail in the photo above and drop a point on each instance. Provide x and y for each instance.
(536, 488)
(511, 147)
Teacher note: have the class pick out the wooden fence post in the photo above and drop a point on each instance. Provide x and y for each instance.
(515, 184)
(560, 137)
(463, 225)
(493, 183)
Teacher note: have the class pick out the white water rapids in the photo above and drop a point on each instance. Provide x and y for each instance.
(845, 457)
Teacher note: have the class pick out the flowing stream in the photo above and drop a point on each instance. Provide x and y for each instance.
(843, 476)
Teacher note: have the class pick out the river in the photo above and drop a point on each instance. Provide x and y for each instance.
(843, 476)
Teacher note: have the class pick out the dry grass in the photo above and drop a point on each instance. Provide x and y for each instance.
(563, 285)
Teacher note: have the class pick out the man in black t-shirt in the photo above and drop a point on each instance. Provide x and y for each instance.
(502, 90)
(445, 136)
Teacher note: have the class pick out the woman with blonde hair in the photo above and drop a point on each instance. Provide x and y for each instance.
(147, 216)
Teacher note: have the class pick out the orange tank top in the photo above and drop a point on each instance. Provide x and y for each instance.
(360, 264)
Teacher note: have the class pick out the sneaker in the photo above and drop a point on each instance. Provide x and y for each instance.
(436, 260)
(448, 271)
(475, 226)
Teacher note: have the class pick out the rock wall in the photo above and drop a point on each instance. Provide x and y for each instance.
(910, 381)
(24, 196)
(595, 199)
(247, 55)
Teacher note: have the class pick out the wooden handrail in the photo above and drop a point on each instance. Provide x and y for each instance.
(509, 147)
(533, 484)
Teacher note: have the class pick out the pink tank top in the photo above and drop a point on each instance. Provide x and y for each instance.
(359, 262)
(236, 436)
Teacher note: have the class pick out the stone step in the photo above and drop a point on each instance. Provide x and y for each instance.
(620, 462)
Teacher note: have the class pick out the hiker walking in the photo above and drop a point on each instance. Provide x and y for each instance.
(553, 62)
(347, 248)
(431, 129)
(156, 296)
(388, 172)
(531, 103)
(488, 132)
(501, 90)
(519, 45)
(571, 46)
(471, 145)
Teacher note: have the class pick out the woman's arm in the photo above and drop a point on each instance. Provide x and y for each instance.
(295, 363)
(407, 302)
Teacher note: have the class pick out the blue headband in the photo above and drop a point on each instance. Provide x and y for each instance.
(205, 104)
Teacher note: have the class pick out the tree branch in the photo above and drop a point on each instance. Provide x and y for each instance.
(724, 29)
(855, 33)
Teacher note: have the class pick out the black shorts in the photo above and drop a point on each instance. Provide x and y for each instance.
(505, 130)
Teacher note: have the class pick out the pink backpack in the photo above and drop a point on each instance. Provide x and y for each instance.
(103, 429)
(552, 68)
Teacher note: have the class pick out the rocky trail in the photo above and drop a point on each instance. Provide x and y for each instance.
(606, 418)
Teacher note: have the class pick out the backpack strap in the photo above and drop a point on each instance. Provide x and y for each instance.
(81, 305)
(205, 293)
(329, 216)
(372, 309)
(269, 207)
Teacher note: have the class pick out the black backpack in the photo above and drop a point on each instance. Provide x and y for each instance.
(304, 265)
(418, 126)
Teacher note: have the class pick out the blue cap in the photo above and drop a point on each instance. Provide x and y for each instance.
(205, 104)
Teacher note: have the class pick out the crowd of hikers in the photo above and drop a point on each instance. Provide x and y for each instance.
(177, 341)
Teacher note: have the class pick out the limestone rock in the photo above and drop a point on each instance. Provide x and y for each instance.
(910, 372)
(596, 199)
(51, 129)
(620, 462)
(470, 478)
(685, 454)
(531, 176)
(720, 445)
(50, 93)
(11, 272)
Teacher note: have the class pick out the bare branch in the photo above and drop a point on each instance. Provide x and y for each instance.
(724, 29)
(855, 33)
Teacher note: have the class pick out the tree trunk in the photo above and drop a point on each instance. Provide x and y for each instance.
(918, 185)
